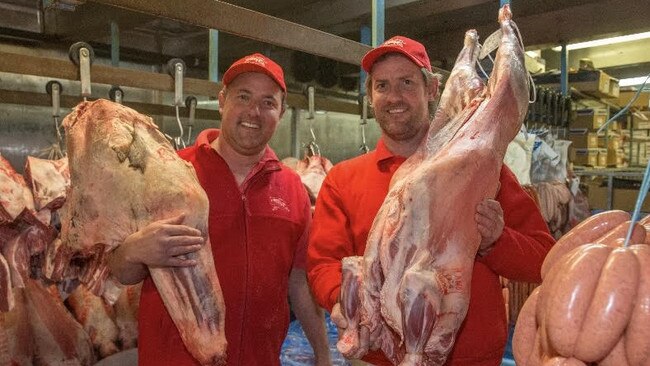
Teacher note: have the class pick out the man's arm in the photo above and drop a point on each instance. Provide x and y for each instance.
(329, 242)
(520, 250)
(160, 244)
(310, 315)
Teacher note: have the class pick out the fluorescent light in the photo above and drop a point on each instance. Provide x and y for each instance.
(605, 41)
(632, 81)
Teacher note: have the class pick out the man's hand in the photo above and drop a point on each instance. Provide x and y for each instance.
(489, 219)
(163, 244)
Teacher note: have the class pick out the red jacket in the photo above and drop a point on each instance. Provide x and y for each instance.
(347, 204)
(258, 234)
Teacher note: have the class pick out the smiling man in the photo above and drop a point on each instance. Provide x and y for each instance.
(514, 238)
(258, 225)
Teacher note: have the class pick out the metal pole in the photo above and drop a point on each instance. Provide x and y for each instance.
(213, 67)
(295, 152)
(378, 22)
(115, 44)
(564, 70)
(365, 39)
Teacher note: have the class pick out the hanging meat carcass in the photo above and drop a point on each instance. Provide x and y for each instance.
(414, 281)
(126, 316)
(15, 196)
(96, 318)
(125, 175)
(48, 180)
(312, 171)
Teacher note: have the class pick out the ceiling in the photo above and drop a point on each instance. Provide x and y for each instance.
(439, 24)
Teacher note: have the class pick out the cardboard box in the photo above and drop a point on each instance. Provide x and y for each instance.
(596, 83)
(643, 101)
(596, 196)
(582, 139)
(641, 120)
(591, 119)
(585, 157)
(602, 158)
(622, 199)
(625, 199)
(616, 158)
(592, 82)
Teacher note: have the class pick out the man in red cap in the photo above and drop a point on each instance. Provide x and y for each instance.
(402, 90)
(259, 222)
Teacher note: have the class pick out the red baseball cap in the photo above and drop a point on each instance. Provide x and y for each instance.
(414, 50)
(255, 63)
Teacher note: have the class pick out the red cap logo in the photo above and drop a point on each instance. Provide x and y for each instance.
(414, 50)
(255, 63)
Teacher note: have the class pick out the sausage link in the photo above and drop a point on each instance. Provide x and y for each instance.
(617, 356)
(536, 357)
(523, 341)
(572, 296)
(637, 334)
(611, 306)
(616, 236)
(586, 232)
(544, 297)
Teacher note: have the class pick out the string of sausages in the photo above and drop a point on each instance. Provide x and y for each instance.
(593, 306)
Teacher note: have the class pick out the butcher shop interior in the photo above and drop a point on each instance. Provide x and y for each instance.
(537, 131)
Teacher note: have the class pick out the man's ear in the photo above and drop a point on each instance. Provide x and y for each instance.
(433, 88)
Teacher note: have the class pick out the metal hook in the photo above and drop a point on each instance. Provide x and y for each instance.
(176, 68)
(54, 88)
(312, 147)
(190, 103)
(364, 121)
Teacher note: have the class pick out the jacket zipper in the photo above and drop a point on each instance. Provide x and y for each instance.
(247, 215)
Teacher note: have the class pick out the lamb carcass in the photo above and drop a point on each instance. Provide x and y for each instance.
(312, 171)
(125, 175)
(15, 196)
(126, 316)
(414, 283)
(96, 318)
(48, 180)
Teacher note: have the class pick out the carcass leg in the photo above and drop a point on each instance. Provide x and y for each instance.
(420, 303)
(349, 343)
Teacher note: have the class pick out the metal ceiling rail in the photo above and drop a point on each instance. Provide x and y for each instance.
(67, 101)
(250, 24)
(64, 69)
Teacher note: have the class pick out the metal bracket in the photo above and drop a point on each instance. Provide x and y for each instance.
(116, 94)
(83, 55)
(190, 103)
(54, 88)
(176, 68)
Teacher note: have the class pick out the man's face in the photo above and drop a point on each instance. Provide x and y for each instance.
(250, 111)
(400, 98)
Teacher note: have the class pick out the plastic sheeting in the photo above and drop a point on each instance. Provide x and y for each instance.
(296, 350)
(519, 156)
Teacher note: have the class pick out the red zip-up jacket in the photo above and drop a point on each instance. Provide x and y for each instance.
(258, 234)
(347, 204)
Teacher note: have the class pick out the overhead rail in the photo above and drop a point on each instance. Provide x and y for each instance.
(227, 18)
(101, 74)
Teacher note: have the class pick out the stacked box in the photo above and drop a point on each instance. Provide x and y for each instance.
(590, 119)
(586, 157)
